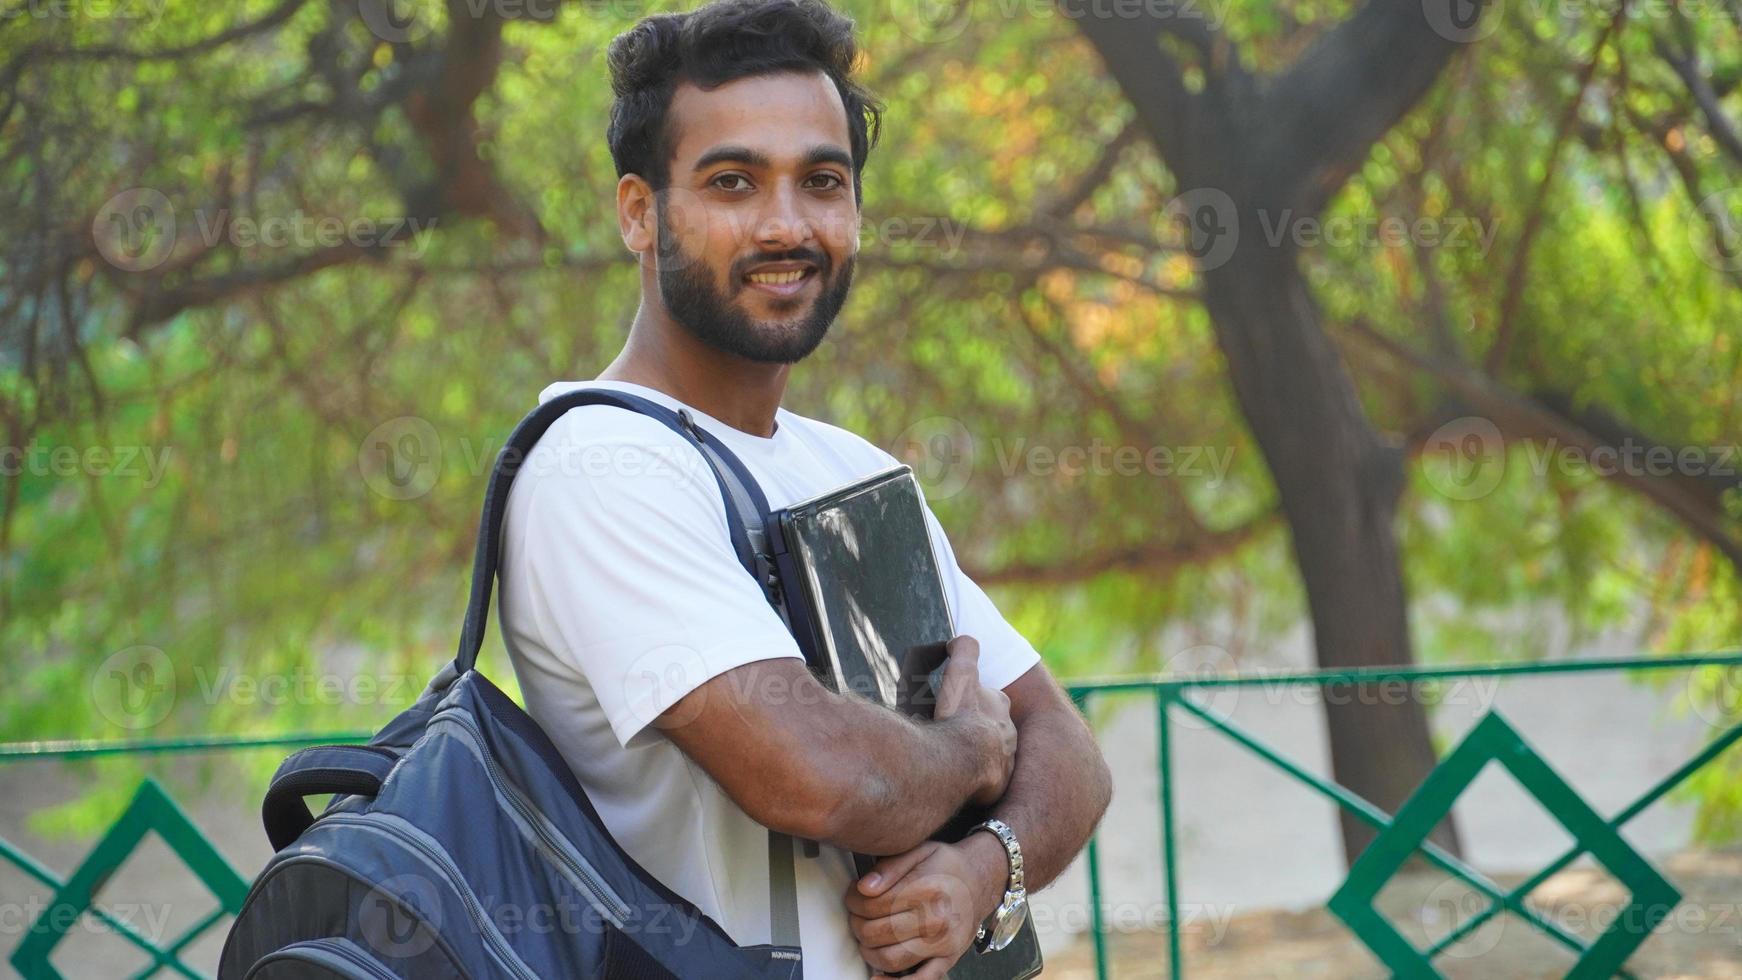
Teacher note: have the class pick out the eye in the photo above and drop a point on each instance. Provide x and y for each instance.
(731, 182)
(826, 180)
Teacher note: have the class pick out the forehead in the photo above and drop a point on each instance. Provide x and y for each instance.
(781, 115)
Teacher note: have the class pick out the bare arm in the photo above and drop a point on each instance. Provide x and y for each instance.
(921, 908)
(1059, 789)
(800, 759)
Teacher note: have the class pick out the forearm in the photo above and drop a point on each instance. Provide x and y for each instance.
(893, 778)
(800, 759)
(1058, 791)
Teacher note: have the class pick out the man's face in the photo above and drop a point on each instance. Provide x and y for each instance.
(758, 226)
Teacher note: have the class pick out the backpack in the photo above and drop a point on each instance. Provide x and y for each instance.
(460, 844)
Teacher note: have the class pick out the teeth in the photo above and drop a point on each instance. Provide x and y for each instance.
(777, 278)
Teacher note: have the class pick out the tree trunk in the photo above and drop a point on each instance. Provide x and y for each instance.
(1338, 484)
(1254, 156)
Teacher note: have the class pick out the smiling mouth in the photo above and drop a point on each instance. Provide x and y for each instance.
(784, 282)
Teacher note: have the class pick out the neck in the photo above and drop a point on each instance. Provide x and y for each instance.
(662, 355)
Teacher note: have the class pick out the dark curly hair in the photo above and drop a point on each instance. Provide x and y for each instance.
(719, 42)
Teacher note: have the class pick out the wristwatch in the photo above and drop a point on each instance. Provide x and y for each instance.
(1003, 924)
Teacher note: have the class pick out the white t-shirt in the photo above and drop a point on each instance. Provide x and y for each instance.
(621, 593)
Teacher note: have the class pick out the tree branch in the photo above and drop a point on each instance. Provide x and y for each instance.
(1149, 76)
(1697, 501)
(1705, 96)
(1516, 278)
(1321, 116)
(1152, 559)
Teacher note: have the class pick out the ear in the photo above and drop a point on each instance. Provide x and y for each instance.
(635, 217)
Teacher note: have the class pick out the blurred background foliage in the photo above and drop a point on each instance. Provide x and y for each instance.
(1023, 284)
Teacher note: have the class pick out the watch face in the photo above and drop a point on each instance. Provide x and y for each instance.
(1008, 922)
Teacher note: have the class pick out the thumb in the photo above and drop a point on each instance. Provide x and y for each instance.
(961, 676)
(886, 872)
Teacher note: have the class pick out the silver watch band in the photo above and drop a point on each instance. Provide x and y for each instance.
(1012, 850)
(1013, 854)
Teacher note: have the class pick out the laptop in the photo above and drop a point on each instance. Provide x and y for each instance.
(869, 576)
(880, 622)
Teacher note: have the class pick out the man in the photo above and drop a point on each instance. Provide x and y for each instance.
(642, 646)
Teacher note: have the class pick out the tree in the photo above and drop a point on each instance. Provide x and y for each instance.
(1258, 153)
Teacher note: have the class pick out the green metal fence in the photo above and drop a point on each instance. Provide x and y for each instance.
(1173, 695)
(152, 810)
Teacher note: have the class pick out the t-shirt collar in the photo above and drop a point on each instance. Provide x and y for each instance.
(709, 422)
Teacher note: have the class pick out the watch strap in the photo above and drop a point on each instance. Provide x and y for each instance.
(1012, 851)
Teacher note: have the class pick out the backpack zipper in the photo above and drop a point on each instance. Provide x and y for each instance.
(605, 899)
(389, 825)
(318, 950)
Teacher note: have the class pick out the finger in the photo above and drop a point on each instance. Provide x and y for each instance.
(889, 929)
(895, 958)
(964, 652)
(897, 899)
(936, 968)
(887, 871)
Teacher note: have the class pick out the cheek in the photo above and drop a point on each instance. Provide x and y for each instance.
(839, 232)
(726, 238)
(702, 232)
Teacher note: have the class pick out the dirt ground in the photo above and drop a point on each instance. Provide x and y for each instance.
(1701, 939)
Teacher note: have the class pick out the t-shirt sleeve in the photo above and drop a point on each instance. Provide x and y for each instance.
(1005, 654)
(627, 549)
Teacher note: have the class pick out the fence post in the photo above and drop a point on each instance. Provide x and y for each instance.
(1164, 697)
(1081, 699)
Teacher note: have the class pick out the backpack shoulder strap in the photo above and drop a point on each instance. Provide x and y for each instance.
(487, 555)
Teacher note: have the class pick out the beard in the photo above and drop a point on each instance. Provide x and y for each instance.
(709, 314)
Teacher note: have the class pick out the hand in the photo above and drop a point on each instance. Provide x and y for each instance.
(983, 712)
(924, 907)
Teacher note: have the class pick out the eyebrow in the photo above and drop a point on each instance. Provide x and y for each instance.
(821, 153)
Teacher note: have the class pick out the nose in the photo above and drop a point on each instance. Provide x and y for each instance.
(784, 223)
